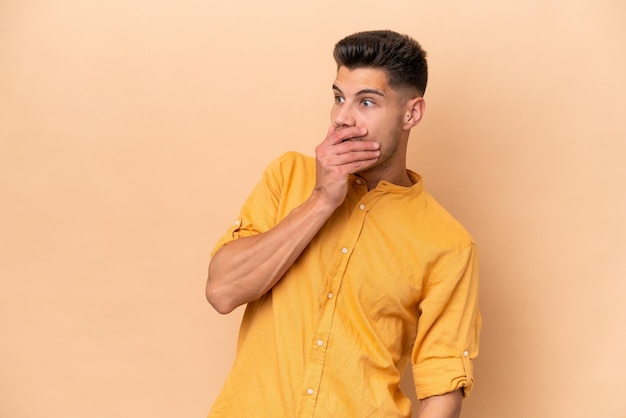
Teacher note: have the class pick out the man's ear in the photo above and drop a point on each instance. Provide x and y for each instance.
(414, 112)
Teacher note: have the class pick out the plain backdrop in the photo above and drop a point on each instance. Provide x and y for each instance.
(132, 131)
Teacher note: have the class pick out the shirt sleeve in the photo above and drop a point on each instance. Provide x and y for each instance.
(259, 211)
(448, 326)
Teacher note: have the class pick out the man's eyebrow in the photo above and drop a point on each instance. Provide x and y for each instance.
(371, 91)
(362, 92)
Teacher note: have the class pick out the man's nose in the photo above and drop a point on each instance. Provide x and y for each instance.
(344, 117)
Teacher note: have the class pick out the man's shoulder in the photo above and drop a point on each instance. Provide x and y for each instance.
(293, 173)
(293, 163)
(443, 220)
(295, 158)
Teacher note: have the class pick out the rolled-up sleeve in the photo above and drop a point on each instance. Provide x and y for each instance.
(449, 325)
(258, 213)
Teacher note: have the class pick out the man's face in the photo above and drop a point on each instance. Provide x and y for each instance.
(364, 98)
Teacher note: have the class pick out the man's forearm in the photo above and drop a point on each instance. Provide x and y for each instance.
(245, 269)
(442, 406)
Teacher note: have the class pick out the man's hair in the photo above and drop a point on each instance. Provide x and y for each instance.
(401, 57)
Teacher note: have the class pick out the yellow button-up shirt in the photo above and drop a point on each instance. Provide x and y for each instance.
(390, 278)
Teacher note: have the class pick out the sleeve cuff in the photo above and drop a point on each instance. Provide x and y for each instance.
(442, 375)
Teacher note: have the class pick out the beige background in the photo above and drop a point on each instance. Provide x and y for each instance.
(131, 132)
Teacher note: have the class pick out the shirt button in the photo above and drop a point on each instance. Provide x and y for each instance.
(344, 250)
(320, 343)
(237, 222)
(330, 296)
(465, 353)
(358, 181)
(362, 206)
(309, 391)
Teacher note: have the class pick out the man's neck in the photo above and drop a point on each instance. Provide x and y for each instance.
(399, 177)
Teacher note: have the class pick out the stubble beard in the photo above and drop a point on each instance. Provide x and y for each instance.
(383, 162)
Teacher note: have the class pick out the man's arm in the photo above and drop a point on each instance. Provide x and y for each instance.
(442, 406)
(245, 269)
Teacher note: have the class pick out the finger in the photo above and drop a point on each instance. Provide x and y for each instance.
(353, 157)
(348, 146)
(347, 152)
(361, 164)
(336, 136)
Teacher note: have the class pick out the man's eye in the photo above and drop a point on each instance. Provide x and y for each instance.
(339, 99)
(367, 103)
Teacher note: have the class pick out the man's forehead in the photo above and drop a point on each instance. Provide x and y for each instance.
(362, 78)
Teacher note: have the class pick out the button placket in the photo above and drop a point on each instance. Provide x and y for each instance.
(321, 342)
(317, 358)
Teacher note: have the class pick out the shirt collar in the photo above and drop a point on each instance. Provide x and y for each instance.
(387, 187)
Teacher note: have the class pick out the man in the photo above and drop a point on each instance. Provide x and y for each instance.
(349, 268)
